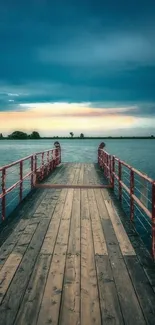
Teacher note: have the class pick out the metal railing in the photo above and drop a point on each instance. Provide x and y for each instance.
(19, 177)
(135, 191)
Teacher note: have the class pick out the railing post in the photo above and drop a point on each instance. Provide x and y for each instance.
(21, 181)
(153, 220)
(32, 171)
(99, 157)
(110, 169)
(113, 171)
(48, 162)
(35, 169)
(60, 155)
(56, 156)
(131, 193)
(120, 178)
(104, 163)
(107, 160)
(42, 169)
(51, 161)
(3, 192)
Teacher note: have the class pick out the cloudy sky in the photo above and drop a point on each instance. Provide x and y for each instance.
(83, 66)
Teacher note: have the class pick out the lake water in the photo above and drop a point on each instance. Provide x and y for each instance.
(138, 153)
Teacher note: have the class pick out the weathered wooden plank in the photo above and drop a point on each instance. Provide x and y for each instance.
(50, 238)
(49, 311)
(80, 180)
(77, 174)
(128, 300)
(144, 291)
(105, 194)
(31, 303)
(12, 263)
(16, 290)
(100, 174)
(96, 177)
(90, 311)
(143, 255)
(58, 174)
(100, 247)
(74, 238)
(130, 307)
(101, 205)
(11, 241)
(7, 272)
(92, 175)
(86, 176)
(51, 235)
(73, 170)
(123, 239)
(47, 205)
(29, 309)
(70, 305)
(109, 303)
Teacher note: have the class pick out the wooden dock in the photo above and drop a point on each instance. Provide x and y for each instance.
(69, 259)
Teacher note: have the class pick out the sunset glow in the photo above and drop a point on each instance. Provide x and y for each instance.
(58, 118)
(74, 66)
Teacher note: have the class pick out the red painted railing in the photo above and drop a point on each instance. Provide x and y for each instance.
(139, 188)
(29, 169)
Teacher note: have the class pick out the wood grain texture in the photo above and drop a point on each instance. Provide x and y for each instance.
(69, 261)
(109, 302)
(13, 261)
(70, 305)
(100, 247)
(49, 311)
(124, 242)
(90, 310)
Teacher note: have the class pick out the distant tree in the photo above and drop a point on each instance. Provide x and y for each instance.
(81, 136)
(18, 135)
(152, 136)
(1, 136)
(71, 134)
(34, 135)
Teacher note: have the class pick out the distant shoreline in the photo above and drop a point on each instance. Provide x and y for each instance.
(85, 138)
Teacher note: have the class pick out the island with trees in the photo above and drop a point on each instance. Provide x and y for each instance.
(20, 135)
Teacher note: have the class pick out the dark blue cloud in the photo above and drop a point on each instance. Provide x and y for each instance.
(77, 51)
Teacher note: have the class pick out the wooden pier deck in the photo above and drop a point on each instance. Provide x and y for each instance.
(69, 260)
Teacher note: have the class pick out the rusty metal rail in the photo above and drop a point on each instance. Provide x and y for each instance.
(26, 172)
(138, 188)
(72, 186)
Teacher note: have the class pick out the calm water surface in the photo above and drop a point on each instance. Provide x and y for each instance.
(139, 153)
